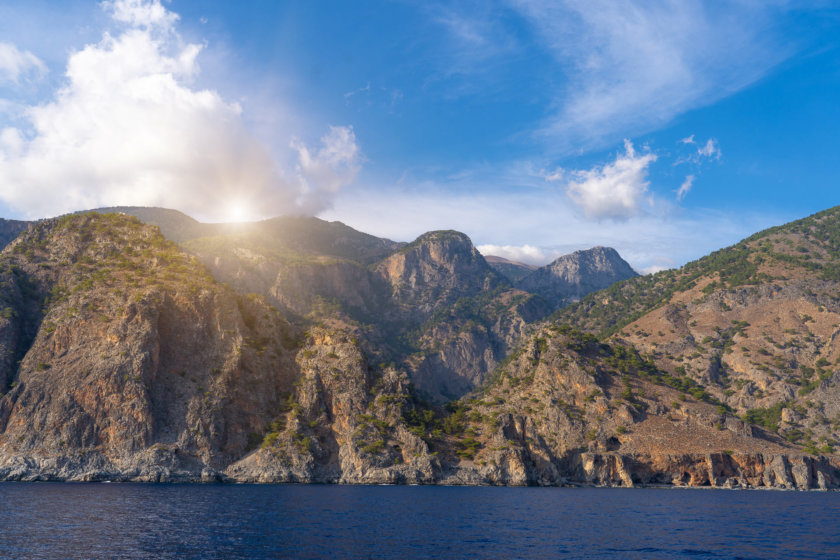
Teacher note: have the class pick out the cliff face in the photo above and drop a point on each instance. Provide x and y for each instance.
(571, 277)
(434, 306)
(556, 415)
(133, 360)
(434, 271)
(121, 358)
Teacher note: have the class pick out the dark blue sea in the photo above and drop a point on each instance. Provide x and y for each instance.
(53, 520)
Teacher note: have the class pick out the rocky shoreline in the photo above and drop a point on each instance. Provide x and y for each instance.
(714, 470)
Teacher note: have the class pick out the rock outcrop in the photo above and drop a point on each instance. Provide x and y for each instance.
(571, 277)
(133, 360)
(436, 270)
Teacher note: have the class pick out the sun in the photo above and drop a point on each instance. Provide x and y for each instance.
(237, 211)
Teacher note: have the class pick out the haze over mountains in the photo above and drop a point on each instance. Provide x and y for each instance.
(140, 344)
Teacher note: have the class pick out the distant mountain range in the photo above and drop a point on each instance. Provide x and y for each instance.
(140, 344)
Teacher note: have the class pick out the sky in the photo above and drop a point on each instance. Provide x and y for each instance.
(665, 129)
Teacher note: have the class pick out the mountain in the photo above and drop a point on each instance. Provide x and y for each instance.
(122, 355)
(297, 350)
(558, 412)
(512, 270)
(9, 229)
(436, 269)
(284, 235)
(756, 323)
(571, 277)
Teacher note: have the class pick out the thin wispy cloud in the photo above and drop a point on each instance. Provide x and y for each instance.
(129, 128)
(685, 187)
(17, 65)
(700, 153)
(631, 67)
(710, 149)
(323, 173)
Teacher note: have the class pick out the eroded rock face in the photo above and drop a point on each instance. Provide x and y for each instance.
(122, 359)
(140, 364)
(434, 271)
(571, 277)
(343, 425)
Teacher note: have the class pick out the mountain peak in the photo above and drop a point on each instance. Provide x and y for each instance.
(572, 276)
(436, 268)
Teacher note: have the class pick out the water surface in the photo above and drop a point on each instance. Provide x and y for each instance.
(55, 520)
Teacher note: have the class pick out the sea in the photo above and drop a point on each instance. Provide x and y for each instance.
(80, 520)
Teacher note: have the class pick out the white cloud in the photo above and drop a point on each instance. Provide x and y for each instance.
(528, 254)
(553, 176)
(685, 187)
(630, 67)
(127, 128)
(141, 13)
(544, 220)
(16, 64)
(688, 140)
(653, 269)
(615, 190)
(710, 149)
(322, 174)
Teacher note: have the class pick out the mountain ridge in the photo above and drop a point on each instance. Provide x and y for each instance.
(722, 373)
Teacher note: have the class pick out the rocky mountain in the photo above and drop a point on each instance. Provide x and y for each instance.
(122, 355)
(756, 323)
(363, 361)
(9, 229)
(394, 294)
(571, 277)
(512, 270)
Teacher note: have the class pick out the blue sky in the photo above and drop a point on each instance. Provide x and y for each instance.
(664, 129)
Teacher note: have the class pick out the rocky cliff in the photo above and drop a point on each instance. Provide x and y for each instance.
(133, 362)
(122, 358)
(558, 413)
(755, 323)
(571, 277)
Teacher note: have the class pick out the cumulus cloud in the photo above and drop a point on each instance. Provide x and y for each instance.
(654, 268)
(141, 13)
(128, 128)
(615, 190)
(688, 140)
(528, 254)
(685, 187)
(16, 64)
